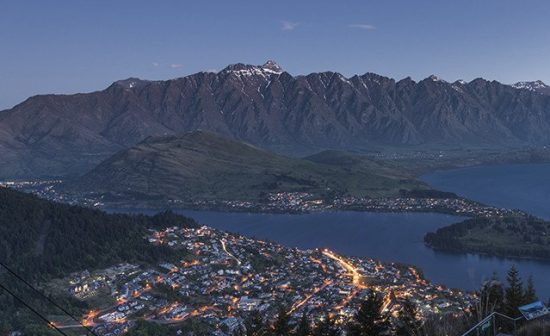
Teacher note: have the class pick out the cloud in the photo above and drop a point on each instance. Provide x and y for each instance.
(288, 26)
(156, 64)
(363, 26)
(176, 65)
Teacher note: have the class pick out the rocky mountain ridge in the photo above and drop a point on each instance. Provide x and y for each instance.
(60, 135)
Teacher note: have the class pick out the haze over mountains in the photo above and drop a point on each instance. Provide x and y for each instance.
(58, 135)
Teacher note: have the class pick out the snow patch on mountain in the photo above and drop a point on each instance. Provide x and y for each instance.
(535, 86)
(268, 69)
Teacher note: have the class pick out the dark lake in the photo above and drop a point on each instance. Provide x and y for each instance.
(388, 237)
(399, 237)
(521, 186)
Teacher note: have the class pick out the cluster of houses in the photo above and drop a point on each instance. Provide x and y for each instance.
(456, 206)
(221, 278)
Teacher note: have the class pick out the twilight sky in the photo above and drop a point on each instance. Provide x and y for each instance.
(68, 46)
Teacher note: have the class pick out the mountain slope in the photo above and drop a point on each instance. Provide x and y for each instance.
(535, 86)
(42, 239)
(263, 105)
(205, 166)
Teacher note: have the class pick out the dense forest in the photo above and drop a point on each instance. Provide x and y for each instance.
(40, 240)
(519, 236)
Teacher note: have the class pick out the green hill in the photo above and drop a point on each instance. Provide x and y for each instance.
(205, 166)
(512, 236)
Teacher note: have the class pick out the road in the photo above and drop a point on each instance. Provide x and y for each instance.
(357, 278)
(224, 247)
(297, 305)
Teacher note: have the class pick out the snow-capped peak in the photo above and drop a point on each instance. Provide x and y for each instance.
(132, 82)
(269, 68)
(533, 86)
(272, 66)
(435, 78)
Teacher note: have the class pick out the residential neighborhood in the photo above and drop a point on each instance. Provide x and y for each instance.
(222, 277)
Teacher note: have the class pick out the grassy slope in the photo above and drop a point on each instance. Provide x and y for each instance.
(424, 159)
(202, 165)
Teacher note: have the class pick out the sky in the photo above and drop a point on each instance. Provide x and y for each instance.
(69, 46)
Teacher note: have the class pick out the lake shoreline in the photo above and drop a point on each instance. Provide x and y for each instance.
(389, 237)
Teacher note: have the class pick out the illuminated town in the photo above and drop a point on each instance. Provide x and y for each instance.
(282, 202)
(220, 277)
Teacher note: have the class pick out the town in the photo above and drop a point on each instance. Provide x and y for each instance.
(222, 277)
(280, 202)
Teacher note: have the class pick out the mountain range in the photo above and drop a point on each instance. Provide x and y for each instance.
(535, 86)
(205, 166)
(62, 135)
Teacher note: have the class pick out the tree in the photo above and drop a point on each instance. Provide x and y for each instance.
(409, 320)
(254, 324)
(4, 328)
(530, 293)
(369, 319)
(514, 296)
(326, 327)
(143, 328)
(281, 326)
(446, 324)
(303, 328)
(239, 331)
(39, 330)
(491, 297)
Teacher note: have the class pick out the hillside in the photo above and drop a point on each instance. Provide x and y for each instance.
(519, 236)
(205, 166)
(41, 239)
(59, 135)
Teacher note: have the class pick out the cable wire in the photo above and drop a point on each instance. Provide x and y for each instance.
(42, 317)
(47, 298)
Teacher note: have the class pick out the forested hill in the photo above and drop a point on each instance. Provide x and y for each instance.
(41, 239)
(513, 236)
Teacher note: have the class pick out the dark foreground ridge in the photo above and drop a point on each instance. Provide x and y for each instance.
(42, 239)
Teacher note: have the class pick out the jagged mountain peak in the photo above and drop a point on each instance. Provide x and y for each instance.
(272, 66)
(435, 78)
(238, 67)
(534, 86)
(268, 68)
(256, 103)
(131, 82)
